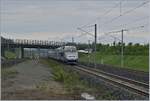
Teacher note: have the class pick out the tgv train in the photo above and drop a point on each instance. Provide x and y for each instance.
(68, 54)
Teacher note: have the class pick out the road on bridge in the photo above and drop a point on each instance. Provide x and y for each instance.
(33, 81)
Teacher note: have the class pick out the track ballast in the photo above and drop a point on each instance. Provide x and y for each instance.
(133, 85)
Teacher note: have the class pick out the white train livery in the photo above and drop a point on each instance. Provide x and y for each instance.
(67, 54)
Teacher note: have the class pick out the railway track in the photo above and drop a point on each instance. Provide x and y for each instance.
(133, 85)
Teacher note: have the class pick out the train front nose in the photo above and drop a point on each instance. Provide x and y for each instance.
(71, 56)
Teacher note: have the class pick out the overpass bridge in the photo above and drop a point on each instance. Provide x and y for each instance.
(24, 43)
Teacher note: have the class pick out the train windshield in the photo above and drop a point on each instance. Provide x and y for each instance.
(70, 49)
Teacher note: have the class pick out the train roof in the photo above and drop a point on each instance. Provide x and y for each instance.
(66, 47)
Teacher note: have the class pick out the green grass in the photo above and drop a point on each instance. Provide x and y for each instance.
(70, 79)
(10, 55)
(8, 73)
(75, 85)
(135, 62)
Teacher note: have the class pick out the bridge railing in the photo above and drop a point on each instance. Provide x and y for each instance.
(32, 42)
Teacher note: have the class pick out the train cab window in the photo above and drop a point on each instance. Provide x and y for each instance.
(70, 49)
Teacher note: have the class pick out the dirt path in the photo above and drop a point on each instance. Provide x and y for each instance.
(30, 73)
(33, 81)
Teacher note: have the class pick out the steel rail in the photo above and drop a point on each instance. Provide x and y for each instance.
(117, 76)
(136, 86)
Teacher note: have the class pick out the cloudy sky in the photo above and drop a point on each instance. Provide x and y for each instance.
(59, 19)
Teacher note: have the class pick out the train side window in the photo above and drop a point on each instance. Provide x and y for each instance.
(61, 53)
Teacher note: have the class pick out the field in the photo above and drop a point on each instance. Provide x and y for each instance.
(135, 62)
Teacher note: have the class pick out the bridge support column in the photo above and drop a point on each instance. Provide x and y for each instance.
(39, 52)
(31, 55)
(21, 52)
(3, 51)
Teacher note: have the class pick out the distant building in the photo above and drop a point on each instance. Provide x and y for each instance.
(85, 51)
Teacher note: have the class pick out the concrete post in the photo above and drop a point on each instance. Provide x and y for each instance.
(21, 52)
(38, 52)
(95, 42)
(3, 51)
(122, 58)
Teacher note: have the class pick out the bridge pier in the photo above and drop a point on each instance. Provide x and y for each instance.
(31, 55)
(21, 52)
(2, 51)
(38, 52)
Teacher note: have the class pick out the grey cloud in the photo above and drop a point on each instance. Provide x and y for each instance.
(52, 16)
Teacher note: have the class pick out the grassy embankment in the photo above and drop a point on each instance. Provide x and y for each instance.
(70, 79)
(73, 82)
(10, 55)
(8, 73)
(135, 62)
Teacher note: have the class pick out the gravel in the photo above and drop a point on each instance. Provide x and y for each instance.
(31, 82)
(107, 91)
(132, 74)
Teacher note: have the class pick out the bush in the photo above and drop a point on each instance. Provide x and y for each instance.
(59, 74)
(10, 55)
(70, 78)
